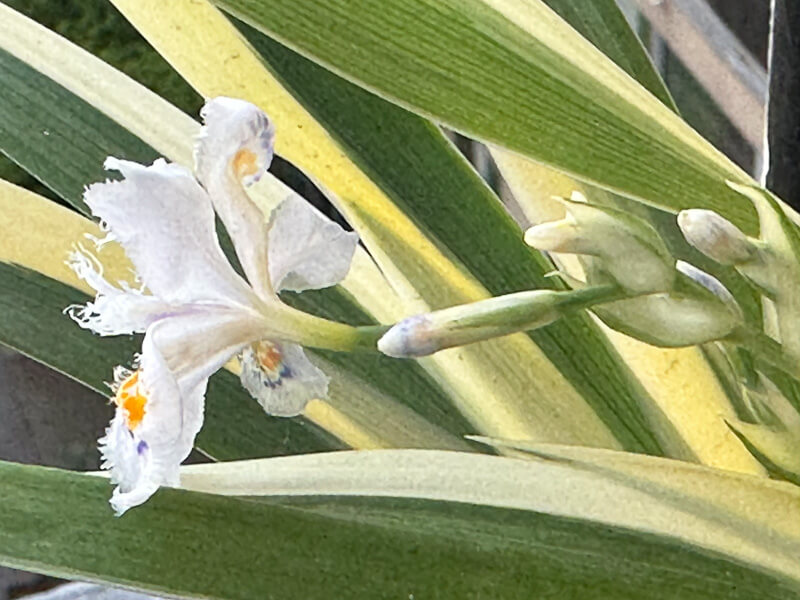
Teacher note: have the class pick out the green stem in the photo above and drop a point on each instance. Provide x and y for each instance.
(367, 336)
(287, 323)
(331, 335)
(580, 299)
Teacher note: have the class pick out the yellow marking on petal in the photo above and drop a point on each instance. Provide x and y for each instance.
(269, 359)
(245, 163)
(132, 400)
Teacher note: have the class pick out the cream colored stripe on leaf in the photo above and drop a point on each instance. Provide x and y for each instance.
(545, 25)
(39, 234)
(113, 93)
(392, 425)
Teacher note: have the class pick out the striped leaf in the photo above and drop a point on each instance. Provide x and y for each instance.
(198, 545)
(519, 77)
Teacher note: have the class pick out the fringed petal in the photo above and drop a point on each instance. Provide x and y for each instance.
(160, 406)
(116, 310)
(165, 222)
(152, 431)
(237, 135)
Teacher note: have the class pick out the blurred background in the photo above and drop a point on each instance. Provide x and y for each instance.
(712, 54)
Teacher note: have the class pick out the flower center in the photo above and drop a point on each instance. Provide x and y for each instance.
(132, 400)
(245, 163)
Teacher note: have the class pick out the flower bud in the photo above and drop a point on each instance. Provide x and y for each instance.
(699, 310)
(425, 334)
(716, 237)
(708, 282)
(668, 320)
(777, 268)
(626, 247)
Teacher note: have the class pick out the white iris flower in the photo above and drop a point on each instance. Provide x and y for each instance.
(197, 312)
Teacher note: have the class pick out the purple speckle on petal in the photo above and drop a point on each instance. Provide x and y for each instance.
(141, 448)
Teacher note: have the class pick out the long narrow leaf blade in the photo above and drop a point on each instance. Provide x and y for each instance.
(603, 23)
(204, 546)
(742, 516)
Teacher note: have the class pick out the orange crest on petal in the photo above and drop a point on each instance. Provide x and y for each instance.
(245, 163)
(132, 400)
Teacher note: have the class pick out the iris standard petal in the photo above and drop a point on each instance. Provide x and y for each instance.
(234, 149)
(306, 249)
(165, 222)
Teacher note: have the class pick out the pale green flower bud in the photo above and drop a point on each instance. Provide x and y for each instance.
(425, 334)
(710, 283)
(687, 316)
(627, 248)
(716, 237)
(667, 320)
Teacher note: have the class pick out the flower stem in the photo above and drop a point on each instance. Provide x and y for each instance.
(317, 332)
